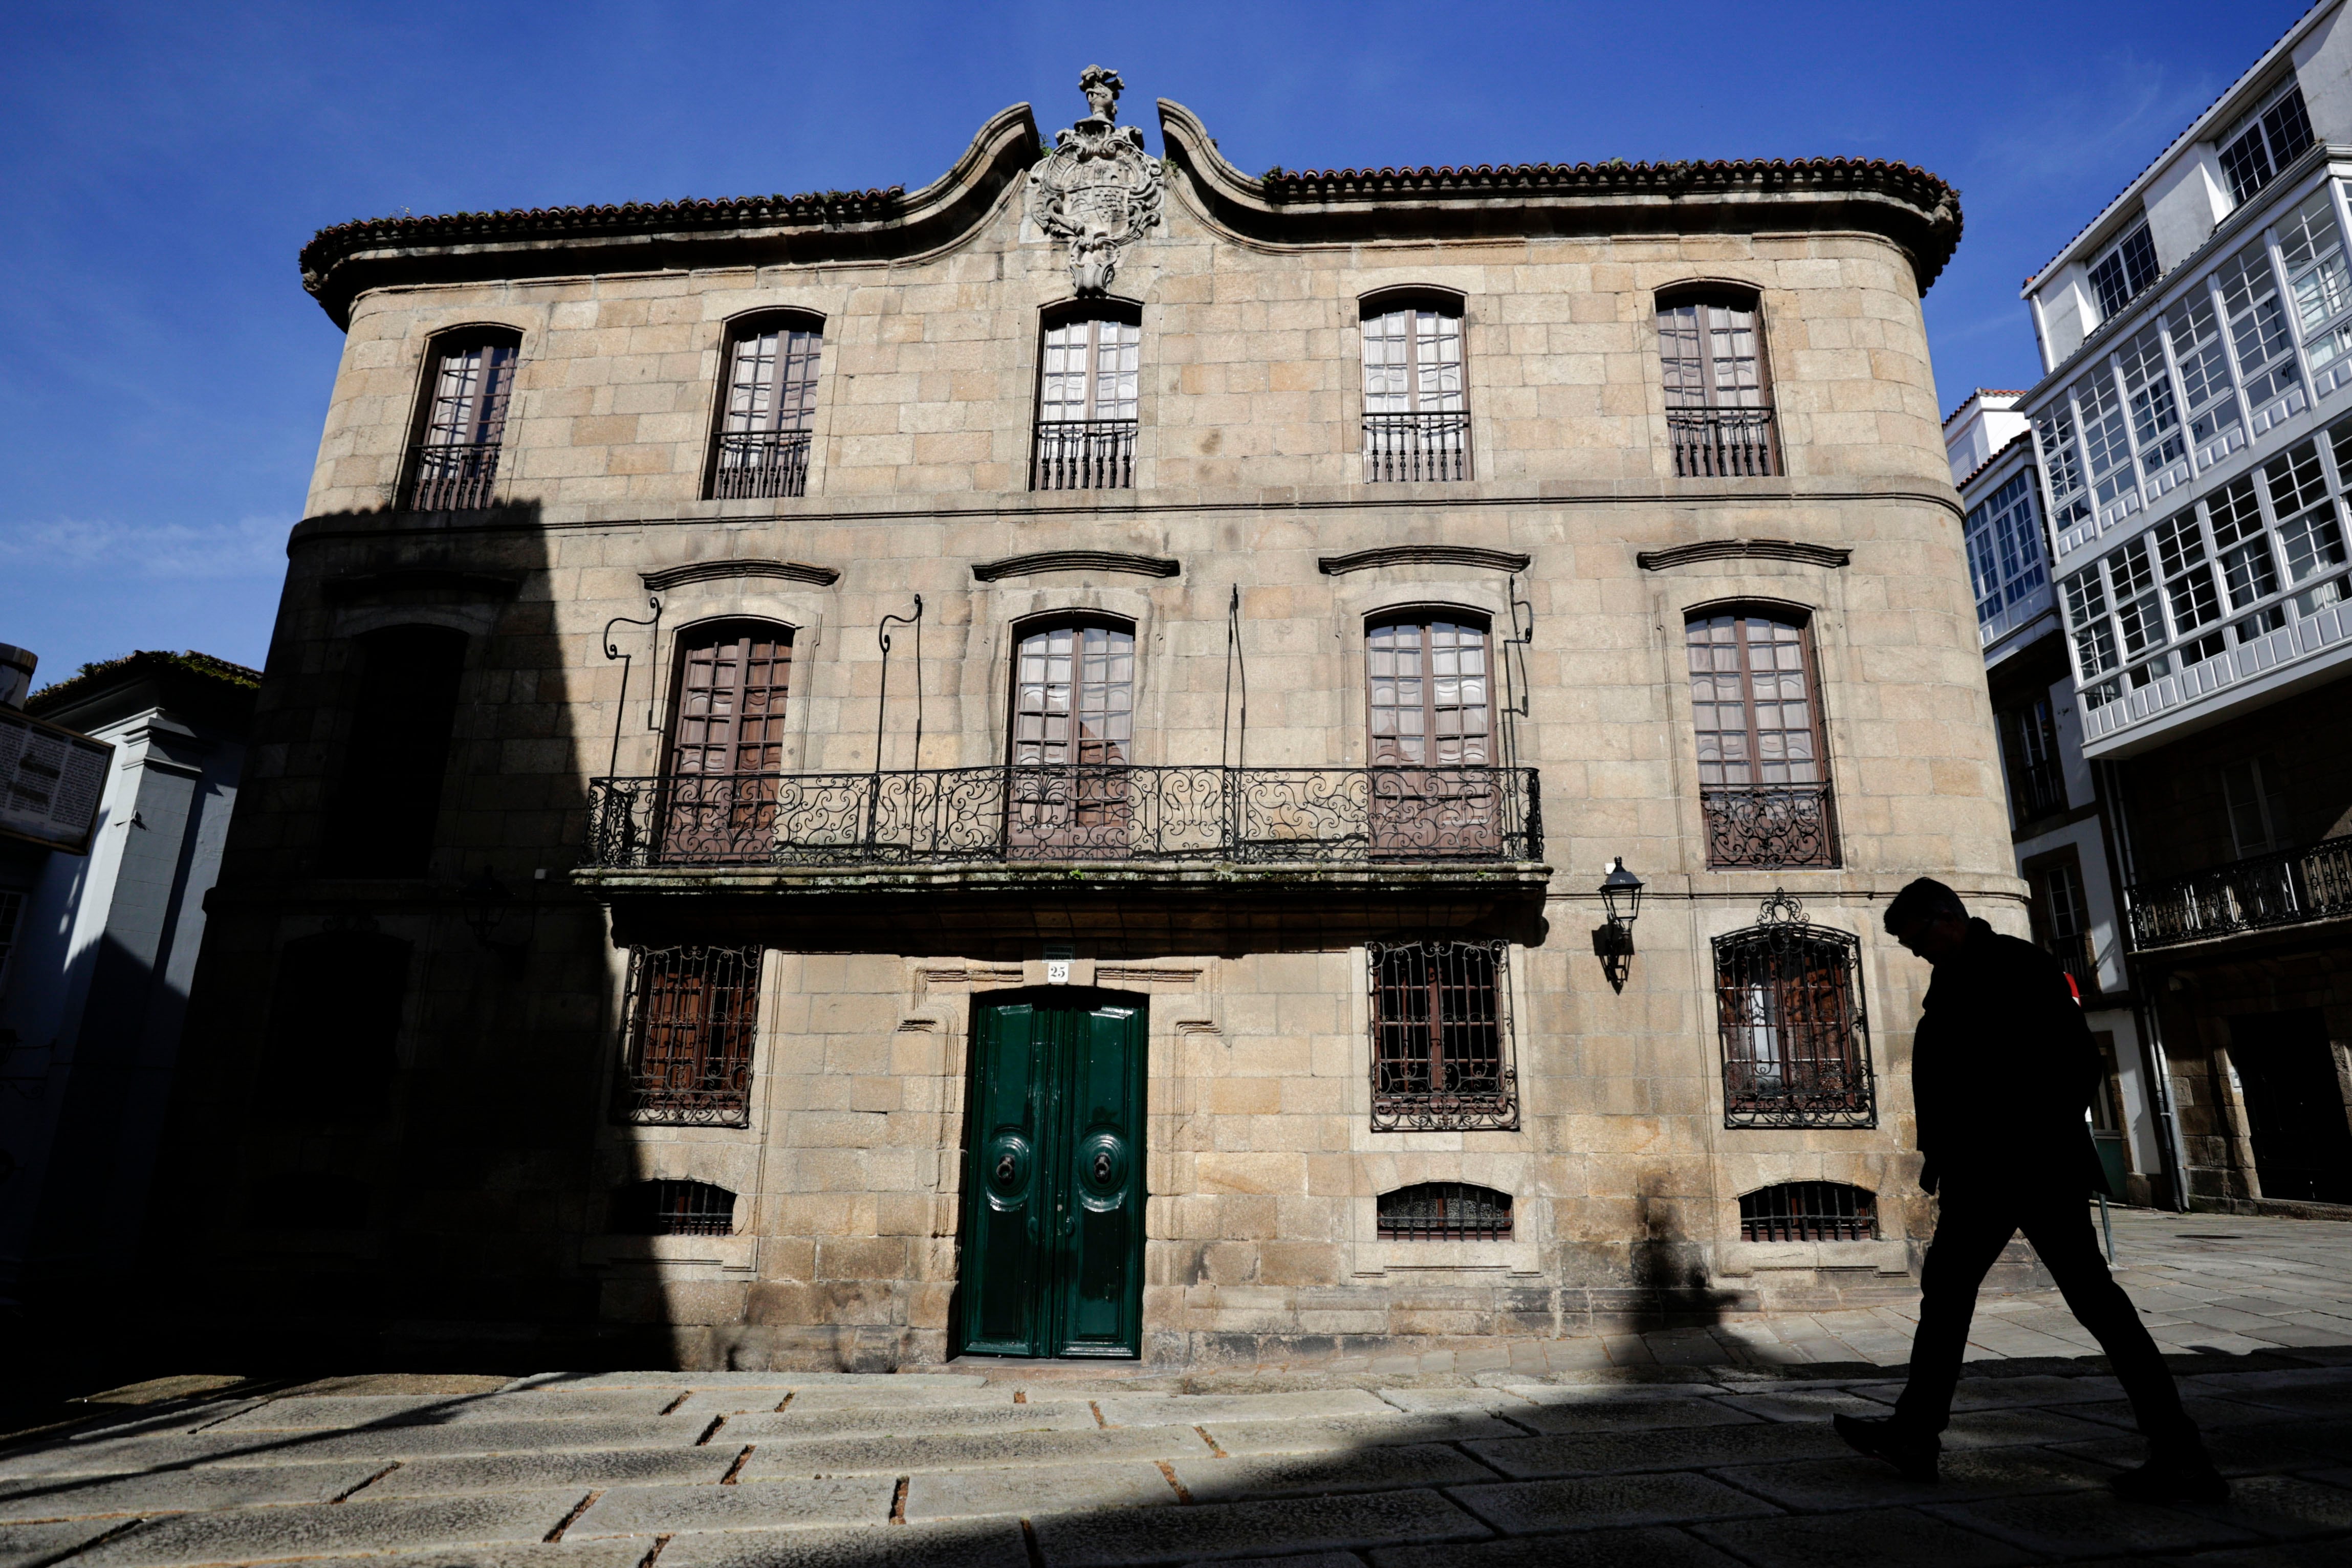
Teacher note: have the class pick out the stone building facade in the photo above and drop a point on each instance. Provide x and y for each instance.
(1026, 766)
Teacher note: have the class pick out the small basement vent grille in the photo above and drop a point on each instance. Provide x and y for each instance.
(673, 1208)
(1809, 1211)
(1446, 1211)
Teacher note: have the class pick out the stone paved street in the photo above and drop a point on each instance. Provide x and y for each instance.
(1675, 1448)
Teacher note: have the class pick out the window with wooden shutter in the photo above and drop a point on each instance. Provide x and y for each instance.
(762, 445)
(688, 1032)
(1073, 734)
(1718, 392)
(726, 740)
(1432, 737)
(1763, 770)
(456, 465)
(1416, 403)
(1440, 1036)
(1086, 391)
(1796, 1042)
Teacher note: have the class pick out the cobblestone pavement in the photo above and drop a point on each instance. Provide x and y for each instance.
(1336, 1466)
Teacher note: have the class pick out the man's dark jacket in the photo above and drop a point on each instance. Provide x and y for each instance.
(2002, 1068)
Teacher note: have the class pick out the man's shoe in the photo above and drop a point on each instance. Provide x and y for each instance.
(1912, 1453)
(2171, 1479)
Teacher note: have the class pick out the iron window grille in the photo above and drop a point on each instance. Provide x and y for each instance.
(456, 462)
(1445, 1211)
(1416, 408)
(1718, 392)
(1809, 1211)
(688, 1032)
(1763, 768)
(673, 1208)
(1789, 1003)
(761, 449)
(1442, 1055)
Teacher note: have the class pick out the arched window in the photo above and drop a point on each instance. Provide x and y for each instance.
(1087, 387)
(1440, 1036)
(1445, 1211)
(726, 742)
(1718, 383)
(762, 448)
(334, 1024)
(1809, 1211)
(387, 803)
(1789, 1004)
(1416, 405)
(672, 1208)
(1073, 732)
(687, 1033)
(455, 464)
(1431, 721)
(1763, 767)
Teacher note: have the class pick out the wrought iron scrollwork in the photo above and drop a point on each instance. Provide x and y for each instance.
(1442, 1055)
(1771, 825)
(1011, 814)
(1796, 1041)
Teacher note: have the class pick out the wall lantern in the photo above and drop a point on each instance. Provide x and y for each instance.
(1613, 941)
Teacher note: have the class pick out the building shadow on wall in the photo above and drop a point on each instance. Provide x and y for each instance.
(381, 1149)
(1669, 1284)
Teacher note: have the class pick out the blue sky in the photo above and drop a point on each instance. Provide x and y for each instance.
(164, 377)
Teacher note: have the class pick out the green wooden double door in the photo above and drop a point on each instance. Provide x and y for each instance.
(1052, 1230)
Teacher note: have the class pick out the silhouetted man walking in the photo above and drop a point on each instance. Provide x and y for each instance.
(2003, 1070)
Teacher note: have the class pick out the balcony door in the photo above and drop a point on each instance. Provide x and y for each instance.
(1433, 787)
(1718, 394)
(725, 742)
(1053, 1195)
(1073, 728)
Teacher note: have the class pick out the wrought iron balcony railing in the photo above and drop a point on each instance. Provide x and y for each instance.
(2285, 888)
(1769, 825)
(1722, 443)
(1404, 446)
(459, 477)
(759, 464)
(1009, 813)
(1084, 455)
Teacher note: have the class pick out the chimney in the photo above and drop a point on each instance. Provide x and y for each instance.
(16, 674)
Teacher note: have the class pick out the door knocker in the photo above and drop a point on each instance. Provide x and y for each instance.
(1004, 1171)
(1102, 1167)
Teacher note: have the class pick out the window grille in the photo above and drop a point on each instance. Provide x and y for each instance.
(1763, 774)
(1417, 408)
(1445, 1211)
(1087, 407)
(1809, 1211)
(1718, 394)
(2271, 138)
(1796, 1045)
(1442, 1037)
(673, 1208)
(457, 463)
(762, 445)
(387, 804)
(308, 1200)
(2126, 269)
(688, 1032)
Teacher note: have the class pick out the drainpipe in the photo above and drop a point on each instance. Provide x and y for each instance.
(2143, 1008)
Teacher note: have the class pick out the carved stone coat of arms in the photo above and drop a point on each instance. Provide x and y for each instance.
(1098, 191)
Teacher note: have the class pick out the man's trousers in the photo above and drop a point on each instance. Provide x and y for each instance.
(1977, 1222)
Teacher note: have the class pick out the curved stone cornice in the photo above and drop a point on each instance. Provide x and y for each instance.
(1914, 209)
(342, 262)
(1742, 549)
(670, 578)
(1424, 555)
(1075, 560)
